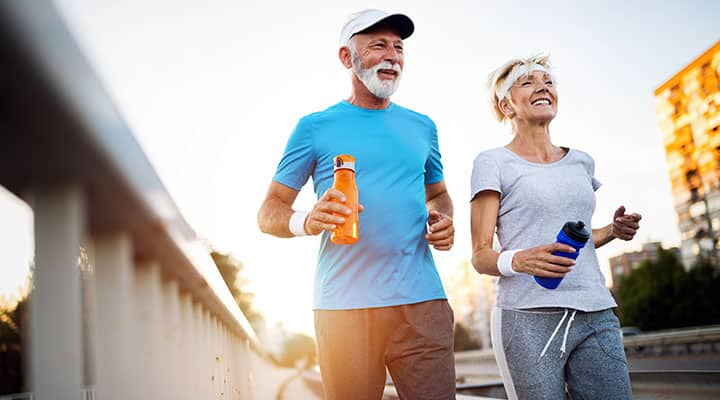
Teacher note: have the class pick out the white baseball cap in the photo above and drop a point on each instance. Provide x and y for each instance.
(366, 19)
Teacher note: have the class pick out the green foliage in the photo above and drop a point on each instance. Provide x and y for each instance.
(660, 294)
(463, 339)
(298, 352)
(12, 327)
(230, 269)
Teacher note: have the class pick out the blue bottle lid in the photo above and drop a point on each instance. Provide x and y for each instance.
(576, 231)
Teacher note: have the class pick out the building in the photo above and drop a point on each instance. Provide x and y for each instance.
(623, 264)
(688, 111)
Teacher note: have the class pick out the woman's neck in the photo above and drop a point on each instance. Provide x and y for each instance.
(532, 142)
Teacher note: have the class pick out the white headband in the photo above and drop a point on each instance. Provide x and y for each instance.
(514, 75)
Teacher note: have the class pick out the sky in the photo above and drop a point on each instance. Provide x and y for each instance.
(213, 89)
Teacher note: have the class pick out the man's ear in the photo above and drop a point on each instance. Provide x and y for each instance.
(345, 57)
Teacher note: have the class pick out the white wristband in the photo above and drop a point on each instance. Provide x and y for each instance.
(504, 262)
(297, 223)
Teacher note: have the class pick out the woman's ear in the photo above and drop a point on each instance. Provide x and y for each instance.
(506, 108)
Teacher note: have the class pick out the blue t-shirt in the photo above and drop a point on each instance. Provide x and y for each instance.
(396, 155)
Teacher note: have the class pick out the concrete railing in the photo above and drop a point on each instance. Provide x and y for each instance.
(125, 300)
(691, 341)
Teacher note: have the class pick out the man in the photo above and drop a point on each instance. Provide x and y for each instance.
(378, 302)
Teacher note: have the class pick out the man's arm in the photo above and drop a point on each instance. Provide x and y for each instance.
(437, 198)
(276, 210)
(440, 213)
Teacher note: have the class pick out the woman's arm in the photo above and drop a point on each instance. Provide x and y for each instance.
(534, 261)
(602, 236)
(483, 218)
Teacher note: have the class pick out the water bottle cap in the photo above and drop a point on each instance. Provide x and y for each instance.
(576, 231)
(344, 161)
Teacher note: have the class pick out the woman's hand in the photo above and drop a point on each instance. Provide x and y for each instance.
(625, 226)
(540, 261)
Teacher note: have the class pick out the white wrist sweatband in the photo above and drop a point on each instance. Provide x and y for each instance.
(504, 262)
(297, 223)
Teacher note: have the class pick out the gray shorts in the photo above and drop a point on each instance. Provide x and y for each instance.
(414, 342)
(532, 366)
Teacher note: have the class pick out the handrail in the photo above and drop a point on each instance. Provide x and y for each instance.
(113, 162)
(680, 336)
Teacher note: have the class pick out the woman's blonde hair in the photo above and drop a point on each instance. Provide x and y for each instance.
(497, 78)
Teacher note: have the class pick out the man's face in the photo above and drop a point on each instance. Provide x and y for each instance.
(377, 59)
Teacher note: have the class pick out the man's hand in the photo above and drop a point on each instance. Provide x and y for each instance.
(329, 212)
(441, 232)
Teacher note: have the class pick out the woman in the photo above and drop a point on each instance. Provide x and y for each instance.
(527, 191)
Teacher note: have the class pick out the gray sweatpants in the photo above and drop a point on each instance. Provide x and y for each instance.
(592, 365)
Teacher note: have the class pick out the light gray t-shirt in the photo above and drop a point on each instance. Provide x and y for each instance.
(535, 202)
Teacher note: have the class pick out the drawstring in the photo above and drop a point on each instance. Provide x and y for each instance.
(557, 328)
(567, 330)
(553, 335)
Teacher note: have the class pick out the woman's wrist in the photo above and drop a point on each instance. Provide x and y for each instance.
(504, 262)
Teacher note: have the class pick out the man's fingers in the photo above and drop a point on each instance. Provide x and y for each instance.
(442, 243)
(440, 240)
(442, 234)
(333, 194)
(325, 227)
(318, 222)
(434, 214)
(447, 231)
(440, 225)
(330, 207)
(326, 218)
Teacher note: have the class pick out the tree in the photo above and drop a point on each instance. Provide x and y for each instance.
(230, 269)
(463, 339)
(660, 294)
(700, 295)
(298, 352)
(12, 328)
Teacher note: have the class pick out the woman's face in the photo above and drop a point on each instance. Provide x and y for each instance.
(533, 98)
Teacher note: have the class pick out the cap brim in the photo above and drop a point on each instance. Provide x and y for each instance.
(401, 23)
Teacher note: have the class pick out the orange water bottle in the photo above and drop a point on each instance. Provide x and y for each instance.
(346, 233)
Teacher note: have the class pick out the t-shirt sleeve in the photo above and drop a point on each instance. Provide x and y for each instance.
(298, 160)
(591, 172)
(433, 165)
(485, 175)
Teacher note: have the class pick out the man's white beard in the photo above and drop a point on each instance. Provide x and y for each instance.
(382, 88)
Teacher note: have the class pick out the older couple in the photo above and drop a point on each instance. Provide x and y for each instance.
(380, 303)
